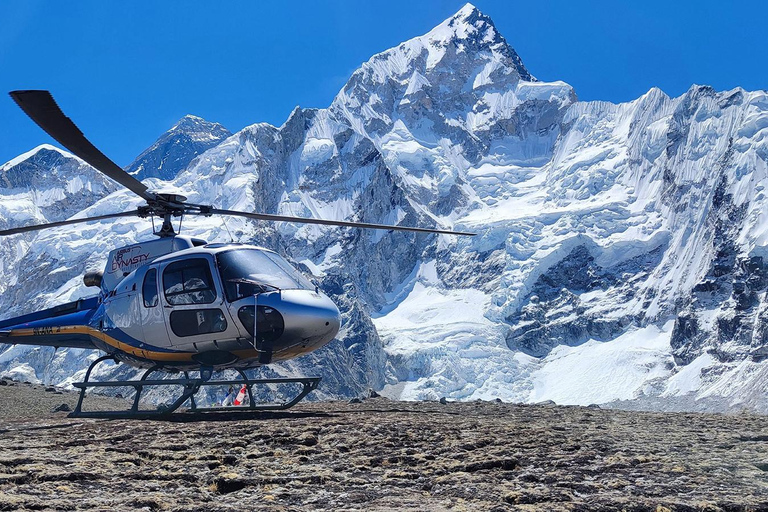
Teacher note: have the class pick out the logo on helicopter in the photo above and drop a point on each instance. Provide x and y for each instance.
(127, 259)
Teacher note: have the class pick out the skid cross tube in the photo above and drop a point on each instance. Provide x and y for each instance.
(79, 405)
(190, 387)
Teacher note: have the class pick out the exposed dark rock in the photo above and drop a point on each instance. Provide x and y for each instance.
(227, 485)
(555, 315)
(686, 339)
(735, 284)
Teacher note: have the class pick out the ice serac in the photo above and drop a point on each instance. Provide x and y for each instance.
(621, 249)
(175, 149)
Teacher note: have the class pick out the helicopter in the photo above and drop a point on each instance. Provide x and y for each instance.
(178, 304)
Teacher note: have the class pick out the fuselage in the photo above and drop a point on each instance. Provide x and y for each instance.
(213, 305)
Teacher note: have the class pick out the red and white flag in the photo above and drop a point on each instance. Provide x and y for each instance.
(240, 400)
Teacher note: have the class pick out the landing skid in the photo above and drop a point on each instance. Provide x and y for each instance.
(190, 388)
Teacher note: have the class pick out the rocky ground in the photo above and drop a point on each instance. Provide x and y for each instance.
(381, 455)
(23, 400)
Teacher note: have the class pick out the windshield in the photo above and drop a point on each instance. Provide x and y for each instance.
(252, 271)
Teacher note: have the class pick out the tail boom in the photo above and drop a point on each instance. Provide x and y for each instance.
(61, 326)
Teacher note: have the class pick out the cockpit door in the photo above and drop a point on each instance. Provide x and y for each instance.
(193, 304)
(152, 315)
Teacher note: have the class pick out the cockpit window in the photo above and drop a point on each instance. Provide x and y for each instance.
(149, 288)
(188, 282)
(252, 271)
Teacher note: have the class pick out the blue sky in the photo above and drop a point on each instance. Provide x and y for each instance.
(126, 71)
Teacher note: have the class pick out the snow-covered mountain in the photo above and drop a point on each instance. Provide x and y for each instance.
(620, 248)
(70, 186)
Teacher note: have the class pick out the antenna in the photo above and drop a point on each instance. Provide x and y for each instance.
(231, 238)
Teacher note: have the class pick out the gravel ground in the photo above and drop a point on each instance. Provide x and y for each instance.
(20, 400)
(382, 455)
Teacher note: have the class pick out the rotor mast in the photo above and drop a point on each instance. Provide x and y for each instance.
(166, 230)
(170, 205)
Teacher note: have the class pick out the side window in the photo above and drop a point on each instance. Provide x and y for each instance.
(190, 322)
(149, 289)
(188, 282)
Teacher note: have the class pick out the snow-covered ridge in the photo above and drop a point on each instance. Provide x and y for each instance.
(620, 248)
(47, 177)
(29, 154)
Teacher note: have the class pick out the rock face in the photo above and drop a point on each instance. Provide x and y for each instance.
(620, 248)
(381, 455)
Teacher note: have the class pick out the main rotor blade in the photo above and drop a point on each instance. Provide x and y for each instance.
(303, 220)
(42, 109)
(36, 227)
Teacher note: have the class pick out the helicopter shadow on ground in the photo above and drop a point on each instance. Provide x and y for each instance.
(202, 417)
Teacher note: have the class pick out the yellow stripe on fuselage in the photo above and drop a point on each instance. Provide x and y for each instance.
(176, 357)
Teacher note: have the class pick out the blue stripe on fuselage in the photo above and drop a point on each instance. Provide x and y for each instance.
(78, 318)
(73, 313)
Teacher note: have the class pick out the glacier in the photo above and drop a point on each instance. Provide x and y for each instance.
(620, 255)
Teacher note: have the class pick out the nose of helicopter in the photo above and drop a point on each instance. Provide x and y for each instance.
(310, 320)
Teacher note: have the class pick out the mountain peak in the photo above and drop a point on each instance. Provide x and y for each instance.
(466, 21)
(468, 9)
(455, 63)
(188, 119)
(46, 169)
(173, 151)
(458, 45)
(192, 123)
(471, 28)
(34, 153)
